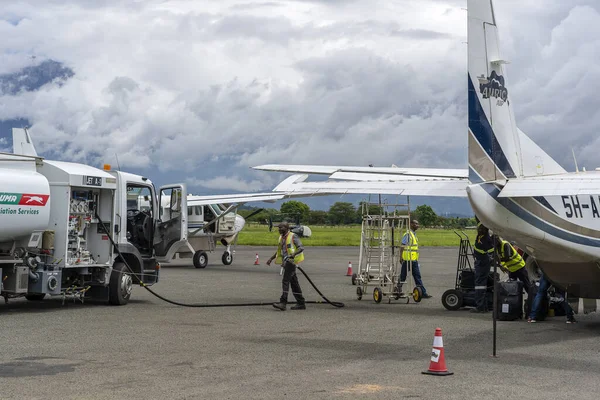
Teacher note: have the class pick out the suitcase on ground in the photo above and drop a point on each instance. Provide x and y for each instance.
(510, 301)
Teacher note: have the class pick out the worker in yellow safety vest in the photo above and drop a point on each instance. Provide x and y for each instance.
(410, 255)
(512, 262)
(483, 252)
(290, 252)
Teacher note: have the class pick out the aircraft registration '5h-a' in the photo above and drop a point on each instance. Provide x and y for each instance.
(210, 218)
(514, 187)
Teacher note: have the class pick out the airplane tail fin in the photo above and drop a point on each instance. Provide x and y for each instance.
(22, 143)
(497, 148)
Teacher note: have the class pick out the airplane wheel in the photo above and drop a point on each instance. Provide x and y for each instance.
(354, 279)
(452, 299)
(200, 259)
(359, 293)
(417, 294)
(227, 258)
(377, 295)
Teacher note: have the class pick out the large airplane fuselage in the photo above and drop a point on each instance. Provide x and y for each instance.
(561, 232)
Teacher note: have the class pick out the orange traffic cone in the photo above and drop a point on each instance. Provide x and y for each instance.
(349, 271)
(437, 366)
(256, 261)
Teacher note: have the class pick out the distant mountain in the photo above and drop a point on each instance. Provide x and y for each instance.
(32, 78)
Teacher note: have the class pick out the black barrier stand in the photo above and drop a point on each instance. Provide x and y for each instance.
(495, 297)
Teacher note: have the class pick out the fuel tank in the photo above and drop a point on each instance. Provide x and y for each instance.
(24, 203)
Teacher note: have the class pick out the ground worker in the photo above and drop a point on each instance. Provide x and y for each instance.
(290, 252)
(410, 254)
(483, 252)
(539, 296)
(512, 262)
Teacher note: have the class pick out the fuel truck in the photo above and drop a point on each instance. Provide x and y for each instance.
(69, 229)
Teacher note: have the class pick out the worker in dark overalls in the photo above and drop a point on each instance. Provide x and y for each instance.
(483, 253)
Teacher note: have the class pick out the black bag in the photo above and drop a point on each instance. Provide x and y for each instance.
(510, 301)
(543, 312)
(467, 279)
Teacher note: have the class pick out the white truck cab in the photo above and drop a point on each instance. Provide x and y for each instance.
(99, 240)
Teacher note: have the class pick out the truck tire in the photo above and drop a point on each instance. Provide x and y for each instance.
(200, 259)
(121, 284)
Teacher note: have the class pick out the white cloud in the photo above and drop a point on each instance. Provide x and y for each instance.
(210, 88)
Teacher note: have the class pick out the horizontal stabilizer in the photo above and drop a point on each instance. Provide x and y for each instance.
(587, 183)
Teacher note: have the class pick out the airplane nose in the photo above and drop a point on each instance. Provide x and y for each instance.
(239, 223)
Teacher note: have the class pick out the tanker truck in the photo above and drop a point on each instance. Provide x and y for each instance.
(73, 230)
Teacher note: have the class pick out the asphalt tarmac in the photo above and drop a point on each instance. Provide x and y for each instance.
(149, 349)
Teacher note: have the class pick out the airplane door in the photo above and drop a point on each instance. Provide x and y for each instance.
(226, 223)
(172, 224)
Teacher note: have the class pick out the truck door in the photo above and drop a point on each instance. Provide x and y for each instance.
(172, 223)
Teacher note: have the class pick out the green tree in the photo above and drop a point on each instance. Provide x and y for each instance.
(373, 209)
(294, 210)
(425, 215)
(317, 217)
(342, 213)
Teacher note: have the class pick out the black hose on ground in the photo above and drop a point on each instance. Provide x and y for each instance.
(336, 304)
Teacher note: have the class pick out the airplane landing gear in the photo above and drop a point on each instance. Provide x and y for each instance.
(200, 259)
(227, 258)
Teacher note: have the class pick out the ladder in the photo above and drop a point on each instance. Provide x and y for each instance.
(379, 262)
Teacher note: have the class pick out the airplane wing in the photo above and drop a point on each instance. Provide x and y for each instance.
(296, 186)
(560, 185)
(371, 180)
(384, 173)
(234, 198)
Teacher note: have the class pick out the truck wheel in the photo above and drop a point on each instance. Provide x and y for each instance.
(35, 296)
(120, 286)
(227, 258)
(452, 299)
(200, 259)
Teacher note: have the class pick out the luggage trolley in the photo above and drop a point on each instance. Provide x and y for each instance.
(379, 261)
(463, 294)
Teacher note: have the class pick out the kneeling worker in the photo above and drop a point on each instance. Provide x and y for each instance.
(512, 262)
(290, 252)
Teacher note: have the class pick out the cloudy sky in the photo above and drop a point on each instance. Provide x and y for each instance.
(199, 91)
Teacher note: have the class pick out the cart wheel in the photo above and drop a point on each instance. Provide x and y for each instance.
(452, 299)
(407, 299)
(377, 295)
(417, 294)
(354, 279)
(359, 293)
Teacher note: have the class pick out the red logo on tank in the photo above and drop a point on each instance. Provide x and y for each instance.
(28, 199)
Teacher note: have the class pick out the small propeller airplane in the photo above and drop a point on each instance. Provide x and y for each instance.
(514, 187)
